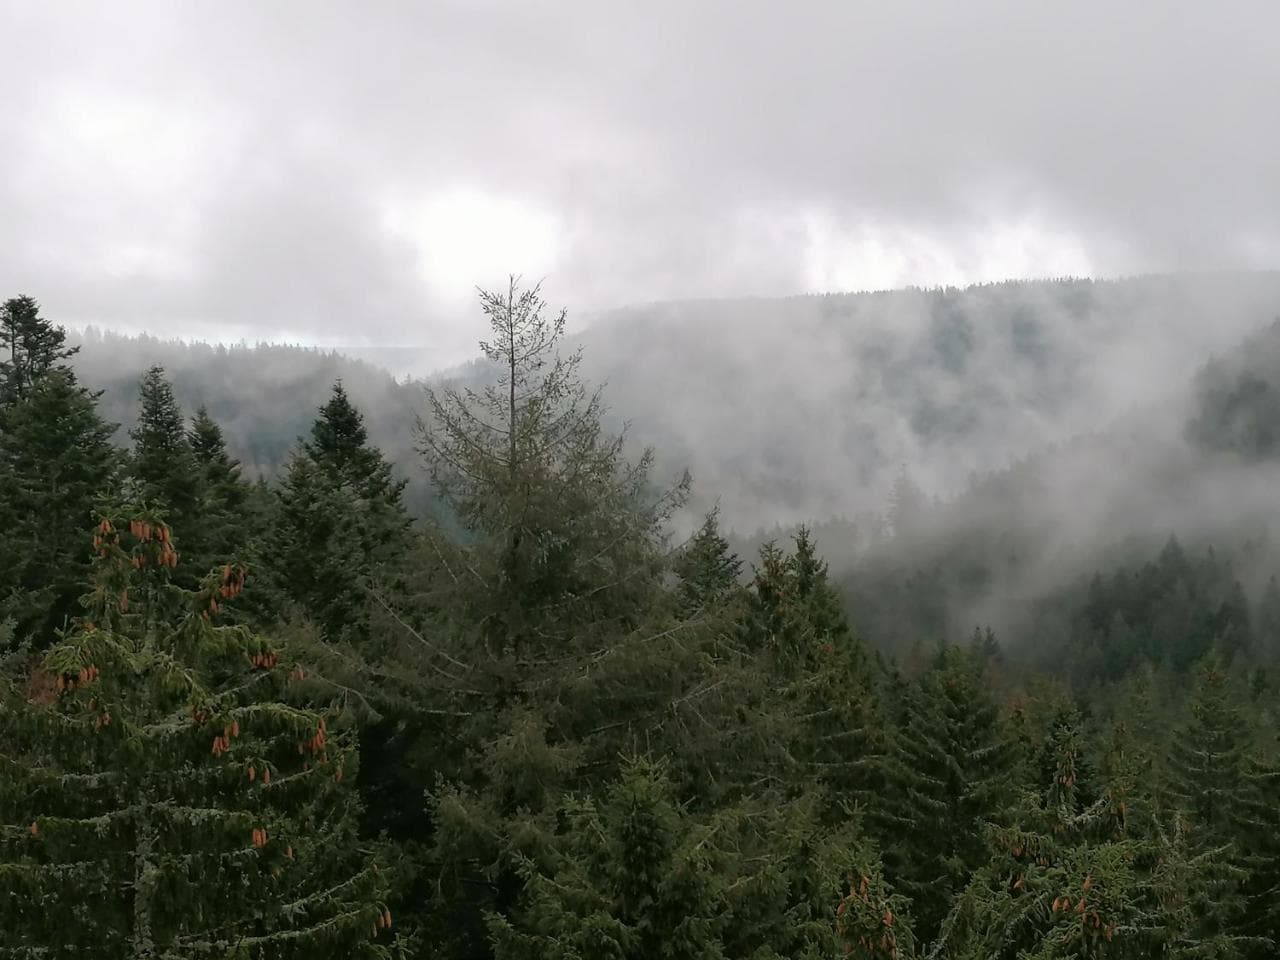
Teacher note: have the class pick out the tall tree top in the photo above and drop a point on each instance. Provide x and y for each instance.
(339, 432)
(707, 568)
(339, 445)
(206, 439)
(160, 423)
(30, 346)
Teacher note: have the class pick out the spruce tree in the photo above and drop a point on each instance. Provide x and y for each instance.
(339, 444)
(1057, 882)
(639, 876)
(339, 520)
(951, 771)
(163, 466)
(707, 569)
(162, 796)
(30, 347)
(221, 535)
(544, 640)
(1259, 845)
(1267, 620)
(1206, 763)
(825, 701)
(56, 462)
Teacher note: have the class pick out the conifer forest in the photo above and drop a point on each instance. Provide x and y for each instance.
(289, 717)
(663, 480)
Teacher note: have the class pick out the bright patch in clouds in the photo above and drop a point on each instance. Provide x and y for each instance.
(871, 256)
(466, 237)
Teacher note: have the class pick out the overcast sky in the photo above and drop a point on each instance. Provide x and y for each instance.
(345, 173)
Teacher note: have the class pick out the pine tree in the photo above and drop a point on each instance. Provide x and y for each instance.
(56, 461)
(161, 796)
(30, 347)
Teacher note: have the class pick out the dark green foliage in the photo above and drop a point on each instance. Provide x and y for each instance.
(1059, 881)
(575, 741)
(707, 569)
(337, 522)
(824, 706)
(56, 461)
(951, 772)
(161, 795)
(30, 348)
(227, 509)
(163, 467)
(1237, 407)
(640, 877)
(1206, 761)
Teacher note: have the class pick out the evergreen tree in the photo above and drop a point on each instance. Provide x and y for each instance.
(225, 518)
(339, 444)
(339, 520)
(543, 640)
(160, 794)
(707, 569)
(163, 467)
(1268, 622)
(1206, 763)
(30, 347)
(825, 700)
(1259, 845)
(1058, 882)
(56, 461)
(951, 772)
(640, 877)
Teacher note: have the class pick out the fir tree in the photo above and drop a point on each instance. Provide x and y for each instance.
(163, 466)
(30, 347)
(640, 877)
(544, 638)
(160, 794)
(1057, 883)
(707, 569)
(951, 771)
(56, 461)
(339, 520)
(222, 533)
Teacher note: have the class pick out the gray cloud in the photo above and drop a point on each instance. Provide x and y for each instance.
(344, 172)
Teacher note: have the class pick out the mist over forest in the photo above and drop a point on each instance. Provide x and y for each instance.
(485, 480)
(915, 431)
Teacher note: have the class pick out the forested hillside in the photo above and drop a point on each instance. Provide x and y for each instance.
(790, 410)
(289, 718)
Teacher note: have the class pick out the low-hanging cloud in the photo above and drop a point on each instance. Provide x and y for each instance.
(300, 170)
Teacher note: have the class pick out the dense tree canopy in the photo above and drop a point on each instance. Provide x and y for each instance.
(296, 717)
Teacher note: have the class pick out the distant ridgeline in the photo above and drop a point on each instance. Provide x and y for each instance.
(991, 444)
(1237, 400)
(263, 395)
(787, 409)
